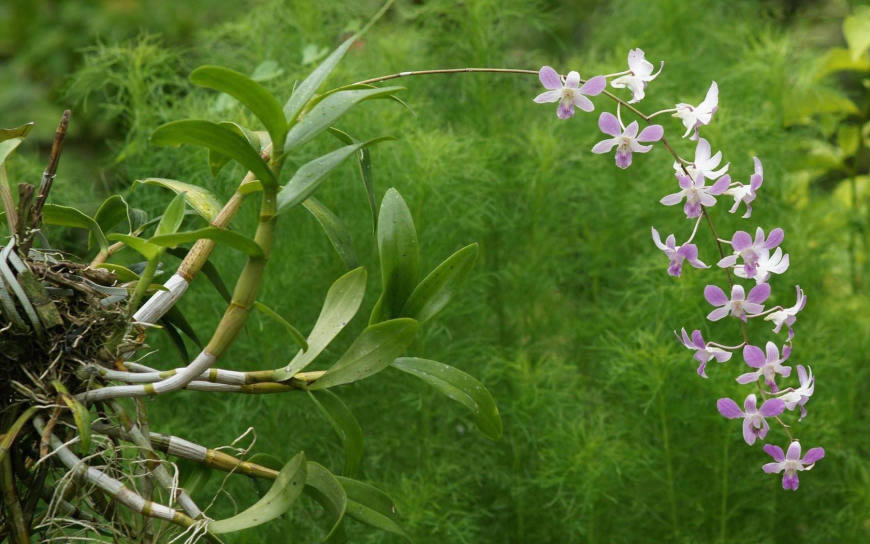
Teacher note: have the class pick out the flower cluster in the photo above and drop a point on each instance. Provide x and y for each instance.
(756, 258)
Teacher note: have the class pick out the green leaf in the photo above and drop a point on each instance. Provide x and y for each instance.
(17, 132)
(177, 320)
(342, 302)
(280, 497)
(327, 490)
(7, 147)
(327, 111)
(345, 425)
(295, 335)
(799, 106)
(247, 91)
(176, 339)
(335, 230)
(399, 255)
(143, 247)
(203, 201)
(848, 139)
(371, 352)
(371, 506)
(309, 176)
(364, 161)
(111, 212)
(217, 160)
(838, 59)
(459, 386)
(123, 273)
(81, 416)
(218, 138)
(172, 217)
(315, 79)
(53, 214)
(856, 28)
(221, 236)
(433, 293)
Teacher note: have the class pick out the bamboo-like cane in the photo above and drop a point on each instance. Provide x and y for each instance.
(114, 488)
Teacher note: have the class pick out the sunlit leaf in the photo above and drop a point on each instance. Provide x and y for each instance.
(214, 136)
(143, 247)
(203, 201)
(326, 112)
(247, 91)
(371, 352)
(838, 59)
(17, 132)
(345, 425)
(278, 500)
(172, 217)
(856, 28)
(342, 302)
(458, 386)
(433, 293)
(799, 106)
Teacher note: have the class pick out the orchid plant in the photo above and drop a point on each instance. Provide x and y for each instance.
(741, 257)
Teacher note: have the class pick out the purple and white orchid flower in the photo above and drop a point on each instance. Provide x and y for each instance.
(768, 364)
(795, 398)
(787, 316)
(694, 117)
(791, 462)
(569, 93)
(746, 193)
(703, 352)
(677, 254)
(696, 193)
(640, 73)
(765, 265)
(704, 163)
(739, 305)
(754, 424)
(749, 250)
(625, 139)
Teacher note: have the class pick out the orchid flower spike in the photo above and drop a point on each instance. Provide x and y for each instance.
(703, 352)
(569, 93)
(795, 398)
(787, 316)
(746, 193)
(704, 163)
(625, 139)
(677, 254)
(696, 193)
(640, 73)
(754, 424)
(695, 117)
(750, 250)
(791, 462)
(739, 305)
(768, 363)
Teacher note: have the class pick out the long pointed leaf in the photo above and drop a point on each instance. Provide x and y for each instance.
(222, 236)
(143, 247)
(371, 352)
(247, 91)
(459, 386)
(342, 302)
(328, 491)
(294, 333)
(399, 255)
(17, 132)
(370, 505)
(335, 230)
(364, 161)
(172, 217)
(315, 79)
(53, 214)
(327, 111)
(308, 178)
(280, 497)
(214, 136)
(433, 293)
(111, 212)
(345, 425)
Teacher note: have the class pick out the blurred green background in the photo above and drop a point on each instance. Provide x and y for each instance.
(610, 435)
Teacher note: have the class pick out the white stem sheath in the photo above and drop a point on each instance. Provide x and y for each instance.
(161, 301)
